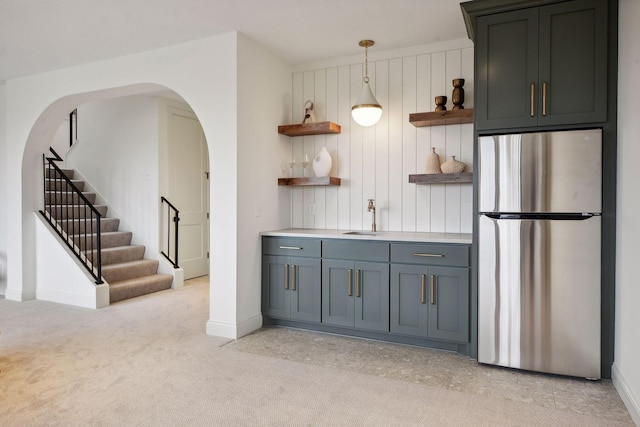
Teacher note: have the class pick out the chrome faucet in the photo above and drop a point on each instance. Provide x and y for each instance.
(372, 208)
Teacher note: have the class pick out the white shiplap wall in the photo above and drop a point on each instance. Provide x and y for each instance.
(376, 162)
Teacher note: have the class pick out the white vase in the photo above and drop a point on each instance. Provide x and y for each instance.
(433, 162)
(322, 163)
(453, 166)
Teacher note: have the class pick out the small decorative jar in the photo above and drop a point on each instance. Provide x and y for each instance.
(433, 162)
(441, 103)
(453, 166)
(322, 163)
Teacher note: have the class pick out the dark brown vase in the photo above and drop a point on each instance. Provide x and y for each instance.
(457, 97)
(441, 103)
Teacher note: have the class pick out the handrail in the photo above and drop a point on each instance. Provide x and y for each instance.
(73, 115)
(176, 219)
(78, 209)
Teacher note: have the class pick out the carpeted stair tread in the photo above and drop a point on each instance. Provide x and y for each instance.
(108, 239)
(132, 288)
(50, 172)
(75, 211)
(61, 184)
(120, 254)
(129, 270)
(77, 226)
(67, 197)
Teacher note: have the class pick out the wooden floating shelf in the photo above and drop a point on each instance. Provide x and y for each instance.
(438, 118)
(441, 178)
(327, 180)
(303, 129)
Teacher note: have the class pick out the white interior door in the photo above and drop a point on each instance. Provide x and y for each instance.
(189, 190)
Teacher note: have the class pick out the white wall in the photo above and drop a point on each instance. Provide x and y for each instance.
(626, 369)
(3, 189)
(376, 162)
(264, 94)
(60, 140)
(118, 156)
(60, 275)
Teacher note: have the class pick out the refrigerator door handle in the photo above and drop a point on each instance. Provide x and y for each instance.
(538, 216)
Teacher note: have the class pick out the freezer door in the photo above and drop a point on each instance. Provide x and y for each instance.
(541, 172)
(539, 295)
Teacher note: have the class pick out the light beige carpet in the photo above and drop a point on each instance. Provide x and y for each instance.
(148, 362)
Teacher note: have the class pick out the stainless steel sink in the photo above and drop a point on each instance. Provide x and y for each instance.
(364, 233)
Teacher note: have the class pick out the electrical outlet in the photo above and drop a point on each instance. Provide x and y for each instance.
(312, 209)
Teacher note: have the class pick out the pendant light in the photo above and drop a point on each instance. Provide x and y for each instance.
(367, 111)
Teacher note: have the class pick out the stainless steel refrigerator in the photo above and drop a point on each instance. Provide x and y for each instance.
(539, 203)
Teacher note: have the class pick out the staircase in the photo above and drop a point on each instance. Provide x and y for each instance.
(128, 274)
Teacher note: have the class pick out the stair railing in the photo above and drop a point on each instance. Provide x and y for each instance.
(73, 126)
(176, 220)
(73, 217)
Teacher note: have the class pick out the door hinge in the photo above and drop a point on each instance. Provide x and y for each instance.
(207, 215)
(207, 254)
(207, 174)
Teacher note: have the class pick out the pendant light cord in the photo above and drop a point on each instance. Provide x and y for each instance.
(366, 64)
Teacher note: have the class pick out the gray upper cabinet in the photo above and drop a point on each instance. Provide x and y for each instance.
(542, 66)
(291, 284)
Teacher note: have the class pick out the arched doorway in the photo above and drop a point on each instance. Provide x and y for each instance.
(127, 172)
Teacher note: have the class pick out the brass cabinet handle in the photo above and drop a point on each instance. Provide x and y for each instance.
(532, 97)
(358, 283)
(428, 255)
(349, 293)
(423, 290)
(432, 283)
(286, 276)
(544, 98)
(295, 248)
(293, 277)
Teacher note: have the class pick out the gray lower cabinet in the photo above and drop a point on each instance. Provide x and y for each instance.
(430, 301)
(404, 292)
(291, 287)
(355, 284)
(355, 294)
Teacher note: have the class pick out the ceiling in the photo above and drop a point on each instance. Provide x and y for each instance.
(43, 35)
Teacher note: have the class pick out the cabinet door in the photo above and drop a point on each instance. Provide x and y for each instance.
(409, 299)
(573, 62)
(372, 296)
(275, 280)
(305, 289)
(506, 68)
(449, 303)
(338, 292)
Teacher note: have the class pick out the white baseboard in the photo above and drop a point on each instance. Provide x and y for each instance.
(234, 331)
(19, 295)
(60, 297)
(249, 325)
(221, 329)
(630, 401)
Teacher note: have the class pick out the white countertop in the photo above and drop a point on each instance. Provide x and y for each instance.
(395, 236)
